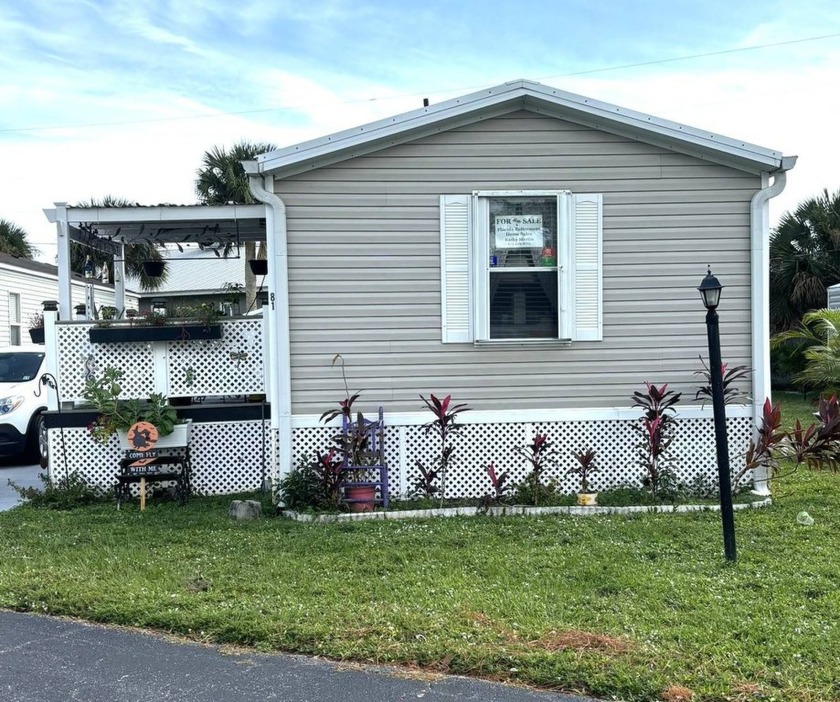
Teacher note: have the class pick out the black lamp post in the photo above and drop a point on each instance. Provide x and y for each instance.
(710, 292)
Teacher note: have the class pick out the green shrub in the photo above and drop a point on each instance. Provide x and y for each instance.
(67, 493)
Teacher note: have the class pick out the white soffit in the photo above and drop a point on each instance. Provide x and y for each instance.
(510, 97)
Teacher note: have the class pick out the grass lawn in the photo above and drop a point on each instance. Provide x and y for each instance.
(630, 607)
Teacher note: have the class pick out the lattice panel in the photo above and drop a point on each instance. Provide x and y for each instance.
(480, 444)
(232, 365)
(226, 457)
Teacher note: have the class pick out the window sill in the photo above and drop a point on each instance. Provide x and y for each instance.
(540, 343)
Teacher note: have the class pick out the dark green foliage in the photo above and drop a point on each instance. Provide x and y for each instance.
(302, 488)
(804, 259)
(14, 240)
(67, 493)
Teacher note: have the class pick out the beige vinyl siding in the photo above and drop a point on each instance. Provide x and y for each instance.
(364, 268)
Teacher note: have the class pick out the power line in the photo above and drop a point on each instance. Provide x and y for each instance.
(284, 108)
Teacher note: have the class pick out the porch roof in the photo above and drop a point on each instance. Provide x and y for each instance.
(208, 225)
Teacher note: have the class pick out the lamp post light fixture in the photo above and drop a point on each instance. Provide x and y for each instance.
(710, 290)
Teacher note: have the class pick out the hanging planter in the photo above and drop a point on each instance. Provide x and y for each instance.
(37, 335)
(259, 266)
(154, 269)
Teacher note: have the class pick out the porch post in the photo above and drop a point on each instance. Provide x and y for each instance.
(65, 290)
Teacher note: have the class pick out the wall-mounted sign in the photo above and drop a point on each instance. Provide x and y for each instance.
(519, 231)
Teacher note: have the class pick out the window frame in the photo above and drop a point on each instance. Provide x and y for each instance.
(15, 323)
(480, 265)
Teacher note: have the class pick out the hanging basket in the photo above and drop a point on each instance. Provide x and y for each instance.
(259, 266)
(154, 269)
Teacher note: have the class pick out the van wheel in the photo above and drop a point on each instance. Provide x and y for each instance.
(37, 447)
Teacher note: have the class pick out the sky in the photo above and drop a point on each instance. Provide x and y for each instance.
(123, 97)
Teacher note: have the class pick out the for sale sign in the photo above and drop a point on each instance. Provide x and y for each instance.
(519, 231)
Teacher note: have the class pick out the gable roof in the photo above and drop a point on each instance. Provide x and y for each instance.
(510, 97)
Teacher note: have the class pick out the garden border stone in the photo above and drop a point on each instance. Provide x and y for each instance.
(514, 510)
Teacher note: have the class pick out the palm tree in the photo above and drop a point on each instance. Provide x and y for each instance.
(804, 259)
(819, 332)
(222, 180)
(135, 254)
(14, 241)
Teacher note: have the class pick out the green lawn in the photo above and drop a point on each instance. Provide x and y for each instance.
(613, 606)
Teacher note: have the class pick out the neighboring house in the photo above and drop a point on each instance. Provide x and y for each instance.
(25, 284)
(833, 301)
(533, 253)
(195, 277)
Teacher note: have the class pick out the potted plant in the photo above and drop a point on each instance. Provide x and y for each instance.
(36, 328)
(117, 415)
(353, 444)
(585, 467)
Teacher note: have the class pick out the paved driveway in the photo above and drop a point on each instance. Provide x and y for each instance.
(44, 659)
(25, 476)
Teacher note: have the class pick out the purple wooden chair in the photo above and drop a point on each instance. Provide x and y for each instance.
(373, 431)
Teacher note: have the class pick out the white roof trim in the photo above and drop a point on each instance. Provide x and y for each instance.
(160, 213)
(516, 95)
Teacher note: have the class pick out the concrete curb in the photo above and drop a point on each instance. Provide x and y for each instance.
(514, 510)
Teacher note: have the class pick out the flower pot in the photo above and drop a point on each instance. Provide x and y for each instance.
(154, 269)
(37, 335)
(259, 266)
(587, 499)
(360, 498)
(179, 437)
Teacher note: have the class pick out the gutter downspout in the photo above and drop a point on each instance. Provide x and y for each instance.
(760, 296)
(279, 346)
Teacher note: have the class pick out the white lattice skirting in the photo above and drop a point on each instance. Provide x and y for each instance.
(227, 457)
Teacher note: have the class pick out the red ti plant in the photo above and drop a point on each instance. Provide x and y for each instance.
(656, 429)
(328, 469)
(445, 426)
(769, 437)
(585, 467)
(731, 393)
(498, 481)
(818, 446)
(540, 455)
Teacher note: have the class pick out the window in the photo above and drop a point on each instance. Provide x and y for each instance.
(521, 266)
(14, 319)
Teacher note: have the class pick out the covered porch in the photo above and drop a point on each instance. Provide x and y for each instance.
(224, 381)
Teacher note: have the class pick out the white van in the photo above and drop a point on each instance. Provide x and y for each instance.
(23, 400)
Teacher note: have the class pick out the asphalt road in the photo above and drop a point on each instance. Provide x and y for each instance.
(44, 659)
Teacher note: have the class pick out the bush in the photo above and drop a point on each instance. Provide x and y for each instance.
(68, 493)
(302, 488)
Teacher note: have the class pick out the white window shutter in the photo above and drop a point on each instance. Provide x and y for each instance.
(455, 226)
(587, 263)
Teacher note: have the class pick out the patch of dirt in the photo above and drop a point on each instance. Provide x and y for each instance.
(571, 640)
(677, 693)
(580, 641)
